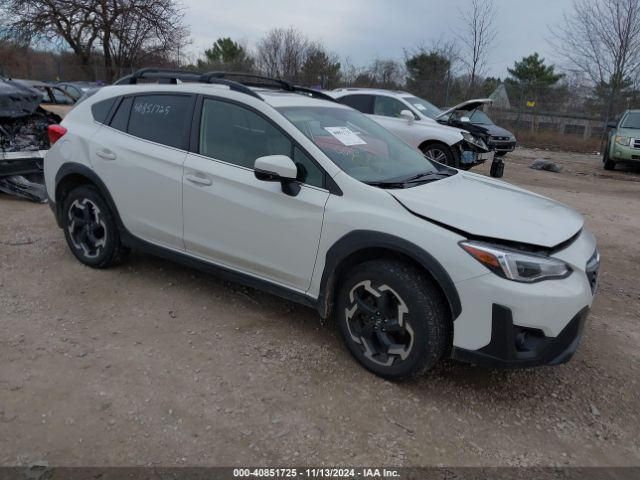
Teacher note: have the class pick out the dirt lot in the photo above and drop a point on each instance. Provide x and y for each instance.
(153, 363)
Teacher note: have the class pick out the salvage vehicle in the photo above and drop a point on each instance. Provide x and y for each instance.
(23, 140)
(469, 115)
(281, 188)
(398, 112)
(54, 98)
(76, 89)
(623, 141)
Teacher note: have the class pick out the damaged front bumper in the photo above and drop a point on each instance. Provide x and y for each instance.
(472, 154)
(21, 175)
(24, 141)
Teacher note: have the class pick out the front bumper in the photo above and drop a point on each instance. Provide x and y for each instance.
(21, 163)
(621, 153)
(470, 157)
(512, 346)
(502, 146)
(500, 317)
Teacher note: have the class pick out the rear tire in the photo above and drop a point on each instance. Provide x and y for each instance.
(392, 318)
(441, 153)
(90, 229)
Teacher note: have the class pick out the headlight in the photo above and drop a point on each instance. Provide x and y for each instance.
(624, 141)
(473, 140)
(515, 265)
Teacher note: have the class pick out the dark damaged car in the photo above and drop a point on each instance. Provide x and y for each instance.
(470, 116)
(24, 140)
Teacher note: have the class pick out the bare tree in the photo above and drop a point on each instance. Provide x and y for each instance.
(477, 38)
(282, 53)
(387, 73)
(602, 39)
(123, 31)
(137, 30)
(50, 20)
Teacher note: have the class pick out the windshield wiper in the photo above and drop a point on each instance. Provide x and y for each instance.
(425, 177)
(428, 176)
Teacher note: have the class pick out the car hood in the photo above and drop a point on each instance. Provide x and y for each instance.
(16, 100)
(483, 207)
(494, 130)
(467, 106)
(628, 132)
(431, 123)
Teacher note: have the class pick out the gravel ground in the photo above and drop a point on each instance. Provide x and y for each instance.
(153, 363)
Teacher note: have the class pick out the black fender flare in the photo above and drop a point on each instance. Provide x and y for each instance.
(73, 168)
(360, 240)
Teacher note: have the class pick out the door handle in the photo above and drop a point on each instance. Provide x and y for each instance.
(106, 154)
(198, 179)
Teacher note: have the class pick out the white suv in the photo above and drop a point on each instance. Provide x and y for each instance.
(409, 117)
(284, 190)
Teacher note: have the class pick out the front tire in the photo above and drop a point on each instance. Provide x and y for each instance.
(393, 318)
(441, 153)
(90, 229)
(608, 163)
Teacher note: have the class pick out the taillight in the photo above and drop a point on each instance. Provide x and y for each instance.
(56, 132)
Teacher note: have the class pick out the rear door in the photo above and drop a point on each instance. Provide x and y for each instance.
(235, 220)
(140, 157)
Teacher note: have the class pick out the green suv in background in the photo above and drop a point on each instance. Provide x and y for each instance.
(623, 144)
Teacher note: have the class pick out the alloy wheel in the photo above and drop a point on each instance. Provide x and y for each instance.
(87, 228)
(376, 321)
(436, 155)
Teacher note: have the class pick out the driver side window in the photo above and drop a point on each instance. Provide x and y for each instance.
(388, 107)
(236, 135)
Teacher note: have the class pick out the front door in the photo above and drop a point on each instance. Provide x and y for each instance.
(235, 220)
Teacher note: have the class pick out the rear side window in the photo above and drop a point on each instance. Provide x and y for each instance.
(120, 120)
(362, 103)
(163, 119)
(100, 110)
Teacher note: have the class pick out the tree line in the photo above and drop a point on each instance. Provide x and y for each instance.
(598, 40)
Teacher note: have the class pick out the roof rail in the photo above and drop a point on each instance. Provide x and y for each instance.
(171, 75)
(222, 78)
(278, 83)
(263, 82)
(235, 86)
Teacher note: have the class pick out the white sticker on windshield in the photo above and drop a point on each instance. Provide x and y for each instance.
(419, 106)
(345, 136)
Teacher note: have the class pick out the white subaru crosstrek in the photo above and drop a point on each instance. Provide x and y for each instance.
(282, 189)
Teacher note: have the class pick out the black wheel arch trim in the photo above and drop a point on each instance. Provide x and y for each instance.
(360, 240)
(73, 168)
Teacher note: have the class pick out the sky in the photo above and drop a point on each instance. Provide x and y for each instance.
(363, 30)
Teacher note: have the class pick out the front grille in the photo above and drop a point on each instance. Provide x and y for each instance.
(592, 270)
(503, 139)
(636, 143)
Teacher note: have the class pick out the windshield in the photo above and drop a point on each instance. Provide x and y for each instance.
(480, 118)
(632, 120)
(425, 108)
(359, 146)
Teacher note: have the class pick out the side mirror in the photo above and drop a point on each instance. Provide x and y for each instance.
(278, 168)
(407, 115)
(612, 125)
